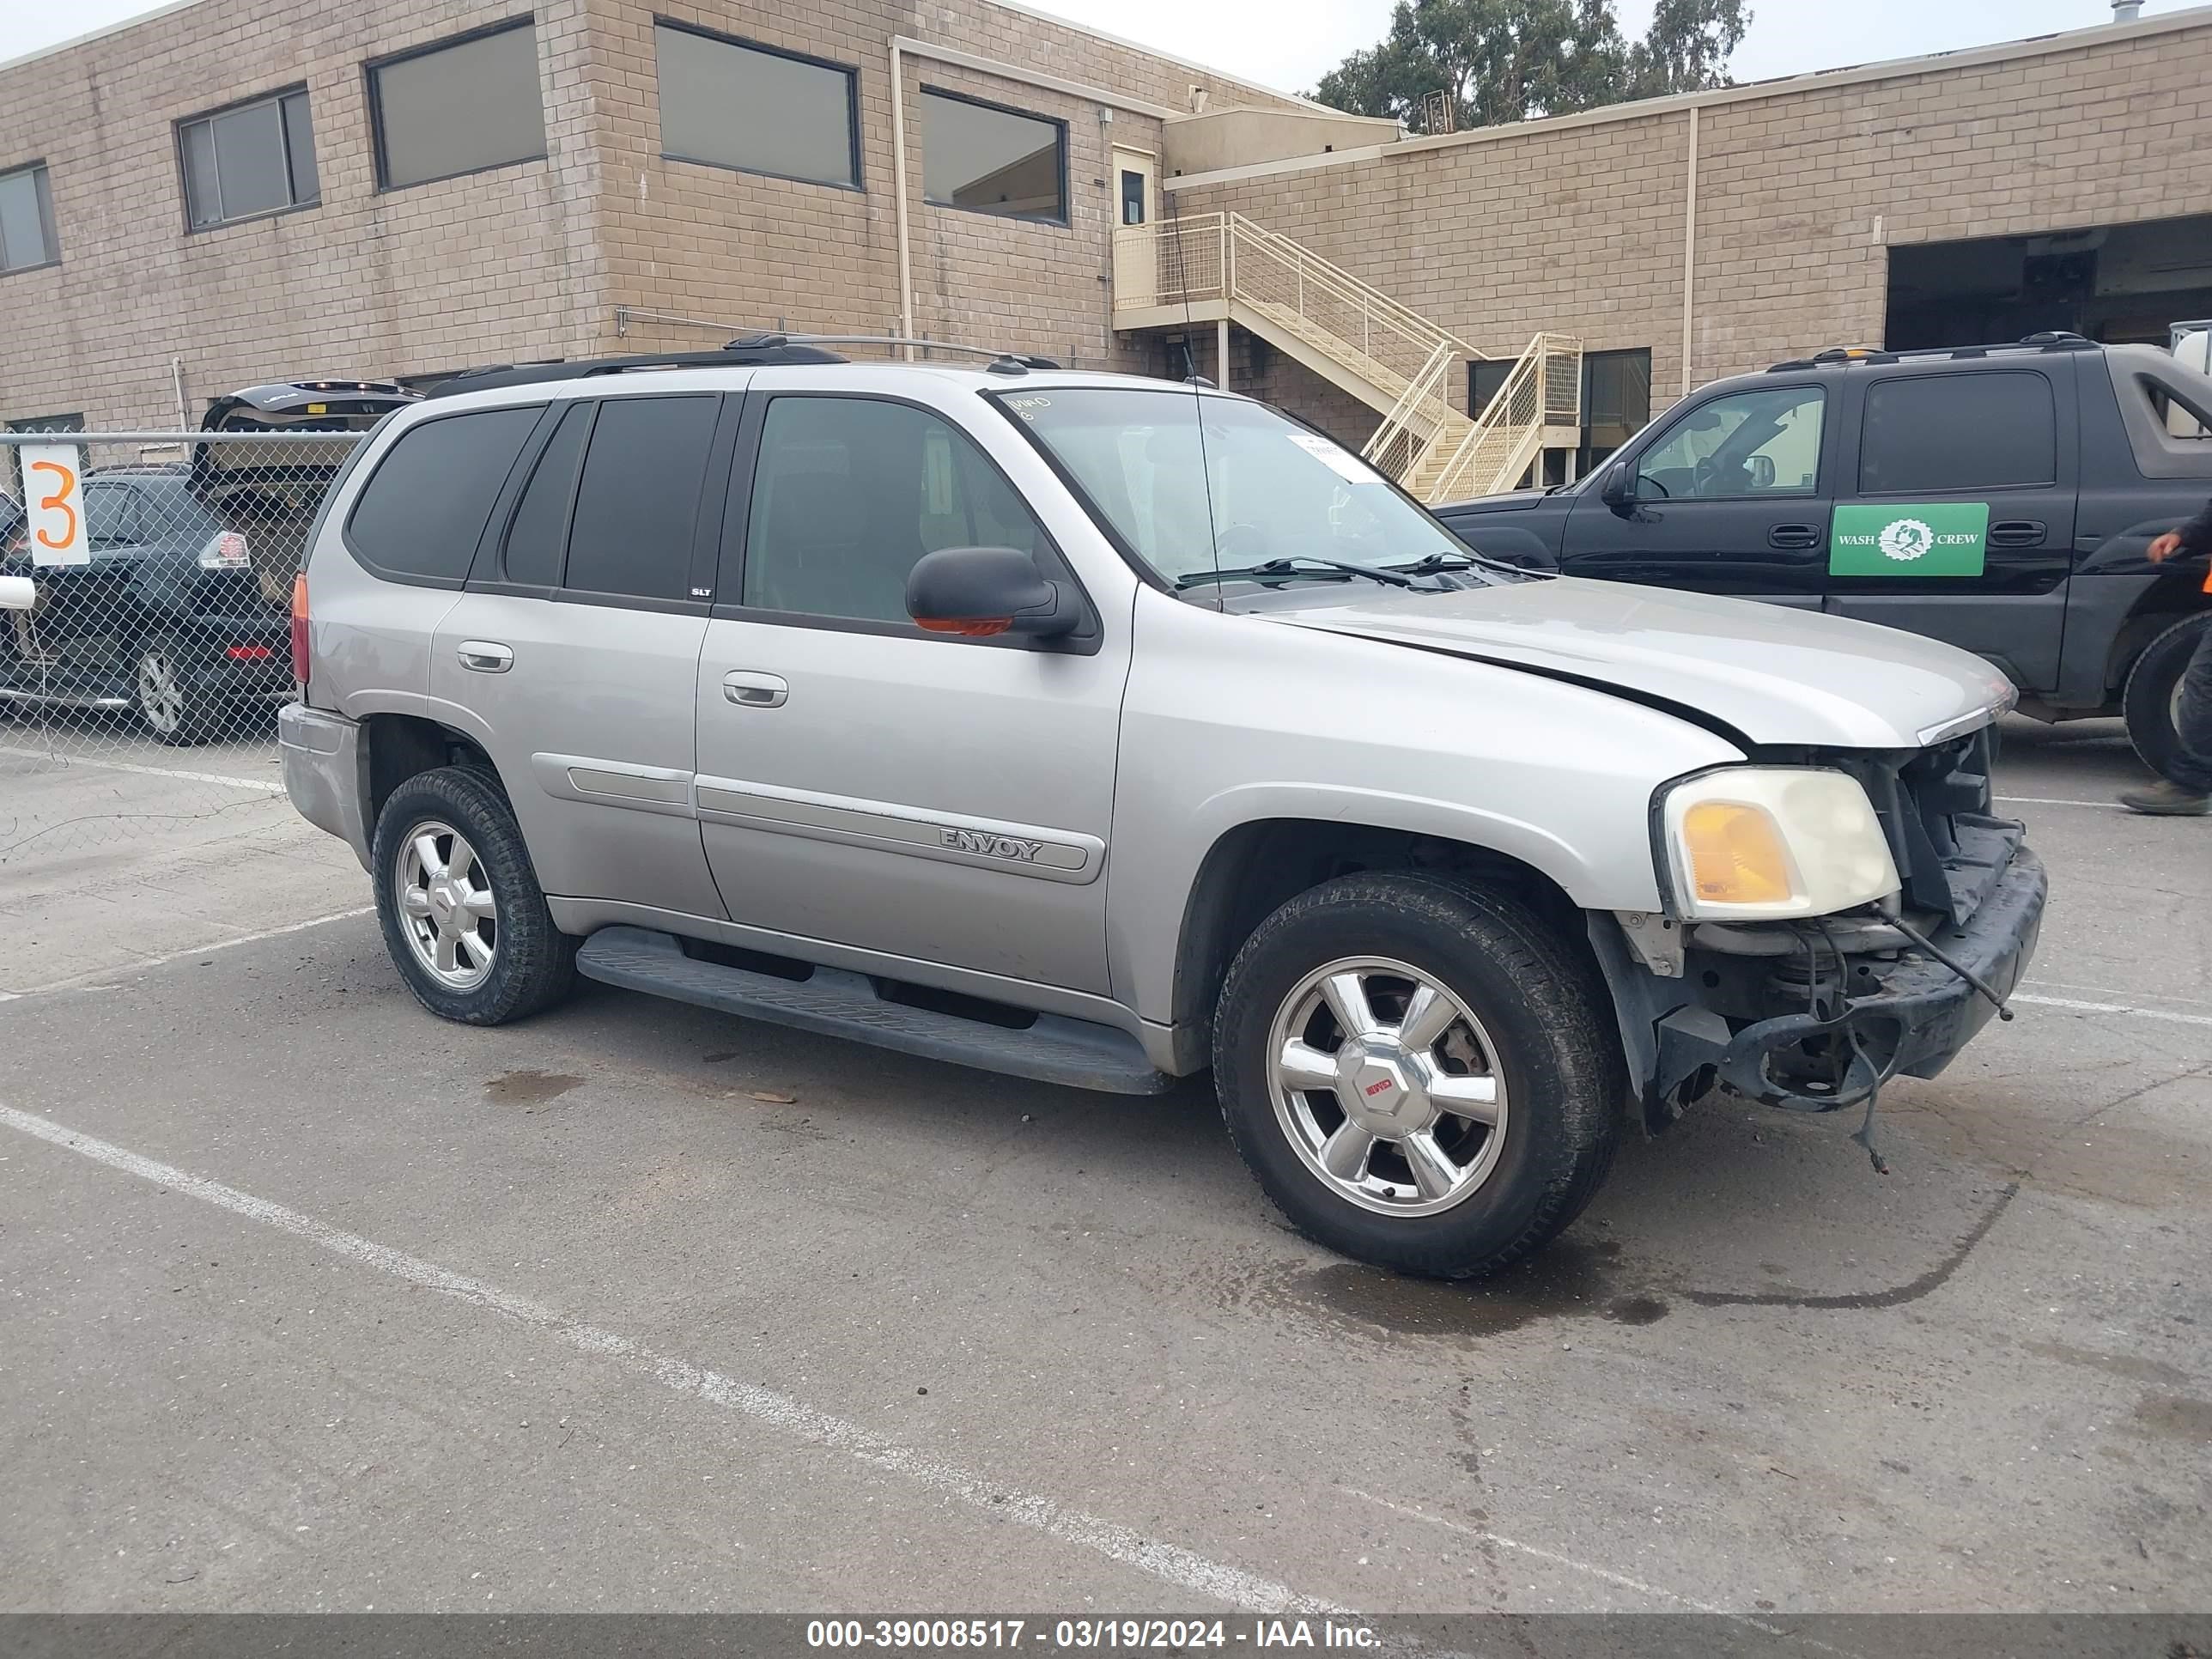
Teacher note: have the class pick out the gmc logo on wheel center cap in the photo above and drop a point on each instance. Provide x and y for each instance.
(1378, 1086)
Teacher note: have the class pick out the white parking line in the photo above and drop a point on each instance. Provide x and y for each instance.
(1169, 1563)
(2072, 1006)
(261, 786)
(99, 975)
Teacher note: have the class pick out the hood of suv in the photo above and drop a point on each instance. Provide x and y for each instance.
(1777, 674)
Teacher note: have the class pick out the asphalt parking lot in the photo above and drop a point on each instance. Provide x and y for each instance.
(309, 1301)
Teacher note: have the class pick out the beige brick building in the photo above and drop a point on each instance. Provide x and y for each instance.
(2062, 182)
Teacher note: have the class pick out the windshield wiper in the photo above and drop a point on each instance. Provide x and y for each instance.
(1277, 569)
(1435, 564)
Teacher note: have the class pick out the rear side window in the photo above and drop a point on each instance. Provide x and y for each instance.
(638, 505)
(850, 492)
(426, 504)
(538, 534)
(1958, 432)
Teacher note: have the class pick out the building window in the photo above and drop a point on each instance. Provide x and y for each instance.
(241, 163)
(459, 107)
(1133, 197)
(992, 160)
(27, 218)
(730, 104)
(1616, 400)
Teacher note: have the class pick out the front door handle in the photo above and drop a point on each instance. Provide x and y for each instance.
(1793, 536)
(2017, 532)
(751, 691)
(485, 656)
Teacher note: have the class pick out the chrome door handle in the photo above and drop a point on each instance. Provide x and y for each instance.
(751, 691)
(485, 656)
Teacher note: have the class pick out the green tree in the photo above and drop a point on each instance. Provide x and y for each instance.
(1512, 60)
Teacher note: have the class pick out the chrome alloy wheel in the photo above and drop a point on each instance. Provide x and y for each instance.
(160, 692)
(446, 907)
(1387, 1085)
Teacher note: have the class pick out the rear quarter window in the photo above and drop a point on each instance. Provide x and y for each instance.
(423, 510)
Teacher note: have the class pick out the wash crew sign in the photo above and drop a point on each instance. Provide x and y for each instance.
(1926, 539)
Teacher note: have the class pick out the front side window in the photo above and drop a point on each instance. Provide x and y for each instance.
(1246, 488)
(637, 505)
(1972, 431)
(1747, 443)
(992, 160)
(426, 505)
(730, 105)
(473, 104)
(850, 492)
(241, 163)
(27, 218)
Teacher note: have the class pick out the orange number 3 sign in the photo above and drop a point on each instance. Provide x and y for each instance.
(57, 500)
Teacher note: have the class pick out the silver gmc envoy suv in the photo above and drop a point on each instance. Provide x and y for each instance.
(1100, 730)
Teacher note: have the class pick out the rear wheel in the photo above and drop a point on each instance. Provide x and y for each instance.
(462, 913)
(1418, 1072)
(172, 708)
(2152, 701)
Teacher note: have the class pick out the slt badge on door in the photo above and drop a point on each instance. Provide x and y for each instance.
(1919, 538)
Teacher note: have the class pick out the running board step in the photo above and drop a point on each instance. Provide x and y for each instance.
(835, 1002)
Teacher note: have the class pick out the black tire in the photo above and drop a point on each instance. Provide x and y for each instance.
(1555, 1046)
(182, 716)
(533, 963)
(2147, 701)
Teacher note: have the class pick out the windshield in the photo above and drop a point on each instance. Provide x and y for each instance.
(1259, 488)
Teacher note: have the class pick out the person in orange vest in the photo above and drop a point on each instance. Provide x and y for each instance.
(2186, 789)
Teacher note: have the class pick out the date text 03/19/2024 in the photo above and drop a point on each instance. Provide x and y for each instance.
(1086, 1634)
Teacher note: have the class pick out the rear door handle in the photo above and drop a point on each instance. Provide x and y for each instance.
(2017, 532)
(749, 689)
(1793, 536)
(485, 656)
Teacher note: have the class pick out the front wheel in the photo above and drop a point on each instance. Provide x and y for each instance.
(1418, 1073)
(462, 913)
(2152, 700)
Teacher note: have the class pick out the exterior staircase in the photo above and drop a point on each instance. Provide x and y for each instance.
(1221, 266)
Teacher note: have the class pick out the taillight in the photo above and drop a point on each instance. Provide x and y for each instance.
(300, 628)
(248, 653)
(226, 552)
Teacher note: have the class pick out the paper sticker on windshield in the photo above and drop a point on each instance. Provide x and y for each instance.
(1923, 538)
(1346, 466)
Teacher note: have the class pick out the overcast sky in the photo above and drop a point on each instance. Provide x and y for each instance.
(1288, 44)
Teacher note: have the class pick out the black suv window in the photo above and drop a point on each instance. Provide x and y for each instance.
(111, 515)
(638, 505)
(1970, 431)
(422, 511)
(537, 535)
(850, 492)
(1758, 443)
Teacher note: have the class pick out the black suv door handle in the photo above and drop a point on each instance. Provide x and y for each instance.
(2017, 532)
(1794, 535)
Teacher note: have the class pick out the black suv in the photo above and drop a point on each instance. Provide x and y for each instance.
(1999, 498)
(182, 614)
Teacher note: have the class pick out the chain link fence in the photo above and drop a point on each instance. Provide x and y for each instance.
(145, 629)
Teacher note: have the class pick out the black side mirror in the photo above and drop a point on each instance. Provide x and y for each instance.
(1617, 489)
(978, 592)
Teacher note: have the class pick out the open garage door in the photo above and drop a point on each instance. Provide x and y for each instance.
(2114, 283)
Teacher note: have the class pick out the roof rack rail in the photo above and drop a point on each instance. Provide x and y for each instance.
(1014, 362)
(2056, 339)
(738, 353)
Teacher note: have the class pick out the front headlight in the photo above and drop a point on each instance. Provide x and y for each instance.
(1747, 843)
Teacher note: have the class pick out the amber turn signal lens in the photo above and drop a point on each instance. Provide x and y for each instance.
(1736, 856)
(975, 628)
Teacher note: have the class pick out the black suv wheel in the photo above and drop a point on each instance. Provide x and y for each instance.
(2152, 700)
(1418, 1072)
(462, 913)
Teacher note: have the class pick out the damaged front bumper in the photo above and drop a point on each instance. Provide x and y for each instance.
(1841, 1035)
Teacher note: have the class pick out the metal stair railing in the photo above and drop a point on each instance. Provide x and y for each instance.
(1400, 445)
(1543, 389)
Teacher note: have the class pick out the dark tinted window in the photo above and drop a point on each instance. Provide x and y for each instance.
(1958, 432)
(27, 218)
(766, 111)
(456, 109)
(850, 492)
(638, 501)
(538, 532)
(991, 159)
(111, 515)
(427, 503)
